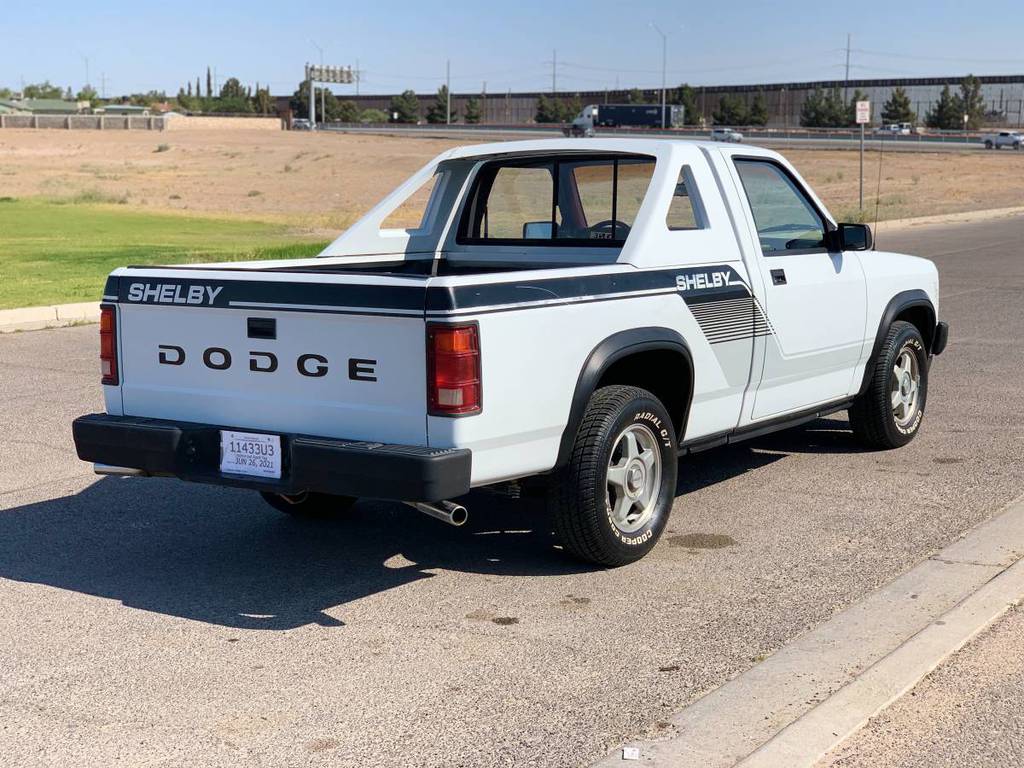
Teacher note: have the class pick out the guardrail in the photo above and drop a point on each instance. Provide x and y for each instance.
(749, 134)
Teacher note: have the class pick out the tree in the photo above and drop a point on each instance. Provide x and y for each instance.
(232, 89)
(635, 96)
(946, 112)
(824, 110)
(971, 102)
(571, 108)
(851, 106)
(758, 113)
(897, 108)
(199, 91)
(43, 90)
(686, 96)
(262, 102)
(548, 110)
(209, 84)
(436, 112)
(731, 111)
(471, 113)
(405, 108)
(346, 111)
(88, 93)
(373, 116)
(189, 93)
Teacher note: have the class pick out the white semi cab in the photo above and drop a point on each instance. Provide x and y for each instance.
(557, 318)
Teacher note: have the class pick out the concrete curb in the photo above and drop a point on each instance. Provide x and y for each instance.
(806, 699)
(55, 316)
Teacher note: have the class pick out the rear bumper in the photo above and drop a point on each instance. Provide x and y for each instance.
(191, 452)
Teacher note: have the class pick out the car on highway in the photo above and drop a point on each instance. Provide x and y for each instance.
(563, 321)
(726, 134)
(1012, 139)
(301, 124)
(895, 129)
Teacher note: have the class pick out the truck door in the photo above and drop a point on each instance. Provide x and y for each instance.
(815, 299)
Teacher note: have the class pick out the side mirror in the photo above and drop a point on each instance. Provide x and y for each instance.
(537, 230)
(854, 237)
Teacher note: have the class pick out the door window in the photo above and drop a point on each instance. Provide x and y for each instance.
(785, 219)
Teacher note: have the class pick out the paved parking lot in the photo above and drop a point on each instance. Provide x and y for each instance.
(147, 621)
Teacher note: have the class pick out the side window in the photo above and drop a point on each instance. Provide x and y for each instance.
(519, 205)
(634, 179)
(784, 217)
(415, 211)
(681, 212)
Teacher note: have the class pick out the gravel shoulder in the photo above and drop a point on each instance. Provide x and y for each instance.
(970, 711)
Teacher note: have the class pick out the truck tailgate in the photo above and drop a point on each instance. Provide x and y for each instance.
(339, 357)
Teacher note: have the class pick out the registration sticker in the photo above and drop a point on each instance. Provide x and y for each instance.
(248, 453)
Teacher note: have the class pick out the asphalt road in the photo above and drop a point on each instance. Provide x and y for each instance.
(148, 621)
(496, 133)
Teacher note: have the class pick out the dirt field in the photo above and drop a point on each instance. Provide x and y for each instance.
(321, 182)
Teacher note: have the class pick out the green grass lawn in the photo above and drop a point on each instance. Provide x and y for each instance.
(53, 252)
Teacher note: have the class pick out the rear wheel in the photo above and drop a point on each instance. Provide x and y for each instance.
(889, 413)
(309, 505)
(988, 145)
(612, 502)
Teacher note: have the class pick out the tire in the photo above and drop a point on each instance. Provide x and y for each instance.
(1017, 146)
(988, 145)
(613, 523)
(889, 413)
(320, 506)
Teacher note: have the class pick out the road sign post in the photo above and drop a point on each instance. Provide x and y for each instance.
(863, 118)
(322, 74)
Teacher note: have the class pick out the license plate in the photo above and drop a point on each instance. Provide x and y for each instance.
(248, 453)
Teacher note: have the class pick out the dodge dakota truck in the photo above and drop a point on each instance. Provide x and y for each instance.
(526, 315)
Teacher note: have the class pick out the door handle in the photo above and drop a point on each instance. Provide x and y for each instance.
(778, 277)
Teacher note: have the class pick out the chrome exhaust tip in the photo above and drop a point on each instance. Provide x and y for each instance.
(108, 469)
(445, 511)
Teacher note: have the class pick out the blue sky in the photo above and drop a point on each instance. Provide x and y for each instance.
(144, 45)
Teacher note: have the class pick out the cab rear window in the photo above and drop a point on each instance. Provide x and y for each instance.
(581, 201)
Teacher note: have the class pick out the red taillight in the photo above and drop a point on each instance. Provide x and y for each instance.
(108, 344)
(453, 369)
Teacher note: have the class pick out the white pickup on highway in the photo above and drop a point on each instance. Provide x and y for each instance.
(564, 319)
(1012, 139)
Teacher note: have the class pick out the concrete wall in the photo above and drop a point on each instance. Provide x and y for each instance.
(83, 122)
(212, 122)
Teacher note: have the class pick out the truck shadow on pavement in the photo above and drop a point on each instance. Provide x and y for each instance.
(224, 557)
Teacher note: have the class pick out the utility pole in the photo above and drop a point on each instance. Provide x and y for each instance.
(664, 53)
(358, 75)
(86, 68)
(323, 113)
(483, 103)
(554, 76)
(103, 85)
(448, 92)
(846, 82)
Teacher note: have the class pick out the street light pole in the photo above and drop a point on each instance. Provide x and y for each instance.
(664, 58)
(322, 113)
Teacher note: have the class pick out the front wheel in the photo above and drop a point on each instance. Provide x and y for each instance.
(613, 500)
(309, 505)
(889, 413)
(988, 145)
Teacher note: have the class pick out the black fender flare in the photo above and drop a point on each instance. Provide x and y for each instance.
(600, 359)
(902, 301)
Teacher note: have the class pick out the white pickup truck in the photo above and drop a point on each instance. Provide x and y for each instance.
(561, 318)
(1012, 139)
